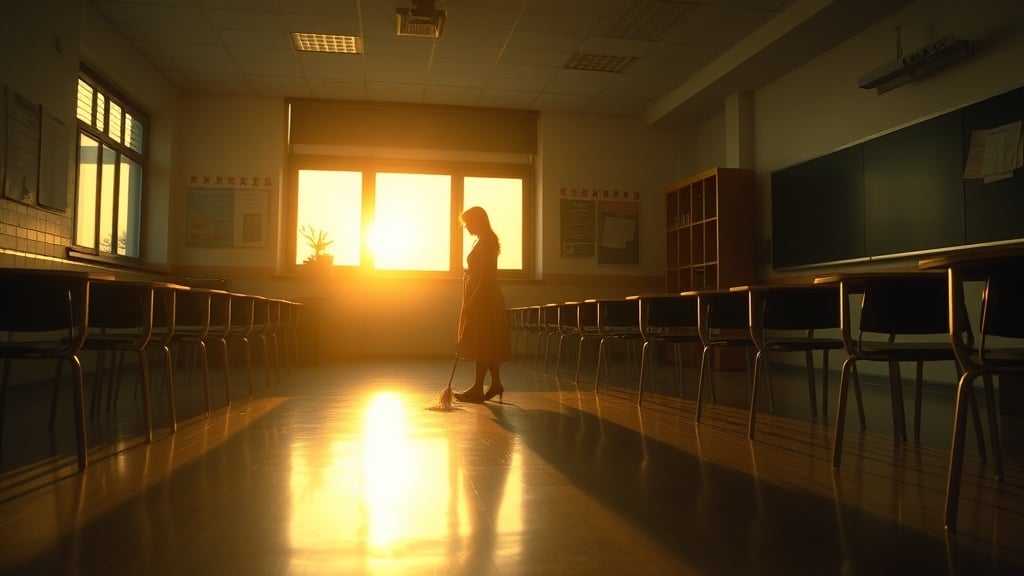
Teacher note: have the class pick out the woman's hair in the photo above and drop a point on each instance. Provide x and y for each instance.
(477, 217)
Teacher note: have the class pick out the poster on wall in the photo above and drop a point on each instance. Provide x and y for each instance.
(577, 218)
(600, 221)
(251, 218)
(618, 232)
(211, 213)
(225, 217)
(21, 166)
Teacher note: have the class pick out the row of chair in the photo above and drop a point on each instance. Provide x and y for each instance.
(756, 318)
(60, 314)
(913, 316)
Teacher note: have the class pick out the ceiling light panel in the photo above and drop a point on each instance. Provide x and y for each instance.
(307, 42)
(598, 62)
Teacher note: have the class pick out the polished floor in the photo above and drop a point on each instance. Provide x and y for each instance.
(344, 469)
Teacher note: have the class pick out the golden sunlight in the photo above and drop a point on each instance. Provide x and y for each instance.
(386, 492)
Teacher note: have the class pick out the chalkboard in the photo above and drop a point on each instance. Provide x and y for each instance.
(818, 210)
(913, 189)
(899, 193)
(994, 210)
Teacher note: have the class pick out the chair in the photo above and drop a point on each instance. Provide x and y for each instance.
(669, 320)
(165, 300)
(617, 320)
(241, 326)
(121, 320)
(44, 315)
(566, 328)
(723, 320)
(547, 325)
(784, 318)
(192, 328)
(1000, 351)
(895, 307)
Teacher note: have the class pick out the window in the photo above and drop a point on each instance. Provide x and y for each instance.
(408, 220)
(111, 160)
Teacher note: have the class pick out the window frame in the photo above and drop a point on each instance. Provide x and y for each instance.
(122, 152)
(458, 170)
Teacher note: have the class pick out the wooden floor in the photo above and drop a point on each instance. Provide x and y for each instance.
(343, 469)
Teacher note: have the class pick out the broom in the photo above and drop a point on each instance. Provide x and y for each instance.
(444, 398)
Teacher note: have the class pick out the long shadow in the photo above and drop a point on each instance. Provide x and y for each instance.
(720, 521)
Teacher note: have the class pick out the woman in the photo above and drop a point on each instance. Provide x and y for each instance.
(483, 332)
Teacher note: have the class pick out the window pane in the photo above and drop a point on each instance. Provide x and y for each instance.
(129, 209)
(85, 94)
(85, 206)
(502, 198)
(107, 199)
(134, 137)
(412, 222)
(115, 123)
(101, 112)
(332, 202)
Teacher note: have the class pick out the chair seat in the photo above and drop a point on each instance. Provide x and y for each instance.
(1001, 358)
(906, 351)
(31, 349)
(801, 344)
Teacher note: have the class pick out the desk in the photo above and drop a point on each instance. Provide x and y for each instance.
(783, 318)
(896, 303)
(1003, 315)
(606, 319)
(45, 314)
(723, 321)
(670, 319)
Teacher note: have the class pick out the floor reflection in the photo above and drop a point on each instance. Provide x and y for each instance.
(348, 472)
(382, 493)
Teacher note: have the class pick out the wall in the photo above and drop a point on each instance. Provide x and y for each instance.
(371, 313)
(818, 108)
(49, 31)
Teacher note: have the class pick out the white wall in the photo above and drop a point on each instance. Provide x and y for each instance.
(107, 52)
(818, 108)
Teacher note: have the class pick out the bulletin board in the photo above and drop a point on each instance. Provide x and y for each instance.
(227, 217)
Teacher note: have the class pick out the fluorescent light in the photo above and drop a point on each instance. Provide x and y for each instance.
(307, 42)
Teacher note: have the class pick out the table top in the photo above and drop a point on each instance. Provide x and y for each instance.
(976, 261)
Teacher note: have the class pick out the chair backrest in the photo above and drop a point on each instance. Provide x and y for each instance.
(906, 305)
(801, 308)
(725, 310)
(38, 304)
(568, 317)
(667, 313)
(549, 317)
(1003, 304)
(119, 305)
(586, 316)
(618, 315)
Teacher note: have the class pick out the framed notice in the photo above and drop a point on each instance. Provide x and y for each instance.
(21, 165)
(223, 217)
(618, 232)
(577, 227)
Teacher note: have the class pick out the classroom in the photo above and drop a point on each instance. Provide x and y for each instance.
(635, 157)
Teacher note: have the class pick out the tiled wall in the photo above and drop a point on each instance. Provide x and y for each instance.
(31, 237)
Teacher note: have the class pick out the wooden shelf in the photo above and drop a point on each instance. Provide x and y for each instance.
(710, 220)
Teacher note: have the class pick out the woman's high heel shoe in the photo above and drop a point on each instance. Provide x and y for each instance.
(496, 389)
(470, 395)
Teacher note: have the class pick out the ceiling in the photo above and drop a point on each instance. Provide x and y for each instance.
(686, 54)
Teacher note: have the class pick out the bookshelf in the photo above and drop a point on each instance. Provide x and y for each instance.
(710, 231)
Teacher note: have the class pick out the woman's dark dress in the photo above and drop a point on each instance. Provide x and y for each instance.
(483, 328)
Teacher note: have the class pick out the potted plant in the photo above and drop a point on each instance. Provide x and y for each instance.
(317, 240)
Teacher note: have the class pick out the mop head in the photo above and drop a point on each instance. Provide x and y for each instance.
(443, 400)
